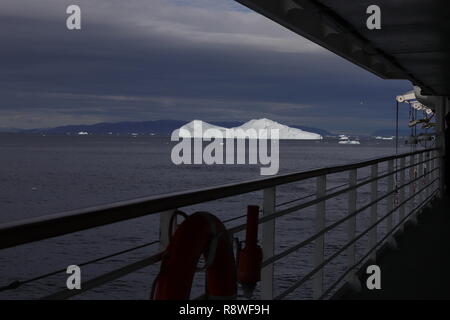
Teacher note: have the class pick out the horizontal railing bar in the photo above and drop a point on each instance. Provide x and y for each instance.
(304, 205)
(30, 230)
(118, 273)
(305, 242)
(276, 257)
(19, 283)
(313, 194)
(348, 244)
(365, 180)
(105, 278)
(234, 218)
(378, 244)
(337, 193)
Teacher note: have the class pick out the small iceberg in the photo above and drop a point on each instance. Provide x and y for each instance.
(343, 139)
(385, 138)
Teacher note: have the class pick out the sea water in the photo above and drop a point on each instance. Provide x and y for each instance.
(41, 175)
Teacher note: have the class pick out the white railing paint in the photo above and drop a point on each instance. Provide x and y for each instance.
(268, 242)
(423, 181)
(351, 224)
(374, 208)
(321, 189)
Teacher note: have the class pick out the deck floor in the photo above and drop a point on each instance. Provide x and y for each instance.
(420, 267)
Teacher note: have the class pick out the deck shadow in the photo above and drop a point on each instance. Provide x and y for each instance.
(420, 267)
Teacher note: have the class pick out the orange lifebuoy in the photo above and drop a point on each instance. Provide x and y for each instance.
(200, 234)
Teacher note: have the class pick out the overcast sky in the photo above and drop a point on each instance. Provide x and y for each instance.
(176, 59)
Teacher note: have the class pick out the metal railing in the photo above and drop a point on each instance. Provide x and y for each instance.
(404, 197)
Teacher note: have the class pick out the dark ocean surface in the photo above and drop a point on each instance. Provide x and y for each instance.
(41, 175)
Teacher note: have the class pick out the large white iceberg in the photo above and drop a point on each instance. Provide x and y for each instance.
(191, 130)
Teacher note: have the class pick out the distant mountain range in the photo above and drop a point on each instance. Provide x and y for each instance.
(166, 127)
(157, 127)
(10, 130)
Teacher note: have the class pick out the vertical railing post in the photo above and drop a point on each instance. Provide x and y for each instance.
(374, 209)
(351, 225)
(430, 171)
(412, 185)
(438, 173)
(420, 172)
(268, 242)
(426, 172)
(321, 182)
(391, 197)
(440, 113)
(433, 174)
(164, 223)
(402, 191)
(426, 178)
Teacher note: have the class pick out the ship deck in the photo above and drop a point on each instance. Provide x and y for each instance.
(419, 267)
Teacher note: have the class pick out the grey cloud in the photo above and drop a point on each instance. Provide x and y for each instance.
(175, 60)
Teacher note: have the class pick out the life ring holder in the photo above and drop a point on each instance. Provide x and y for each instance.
(200, 234)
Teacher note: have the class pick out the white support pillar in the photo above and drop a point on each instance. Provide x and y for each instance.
(351, 226)
(391, 197)
(434, 174)
(421, 183)
(352, 279)
(373, 235)
(412, 202)
(402, 191)
(268, 243)
(320, 242)
(440, 142)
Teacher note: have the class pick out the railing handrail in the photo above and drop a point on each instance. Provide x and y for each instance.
(44, 227)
